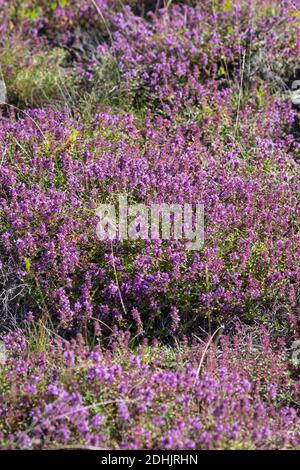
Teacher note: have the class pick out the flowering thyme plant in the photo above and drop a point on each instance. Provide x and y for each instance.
(130, 342)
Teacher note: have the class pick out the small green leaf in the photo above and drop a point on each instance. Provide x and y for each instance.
(27, 264)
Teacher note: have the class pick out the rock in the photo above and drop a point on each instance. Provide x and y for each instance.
(295, 93)
(2, 92)
(2, 353)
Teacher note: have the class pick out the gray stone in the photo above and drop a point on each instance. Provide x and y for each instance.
(2, 92)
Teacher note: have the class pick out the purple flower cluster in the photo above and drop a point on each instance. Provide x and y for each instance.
(53, 178)
(151, 398)
(175, 54)
(181, 102)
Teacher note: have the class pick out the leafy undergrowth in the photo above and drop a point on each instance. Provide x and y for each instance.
(167, 103)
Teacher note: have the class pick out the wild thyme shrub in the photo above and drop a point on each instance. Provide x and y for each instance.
(182, 102)
(165, 56)
(57, 171)
(149, 398)
(170, 58)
